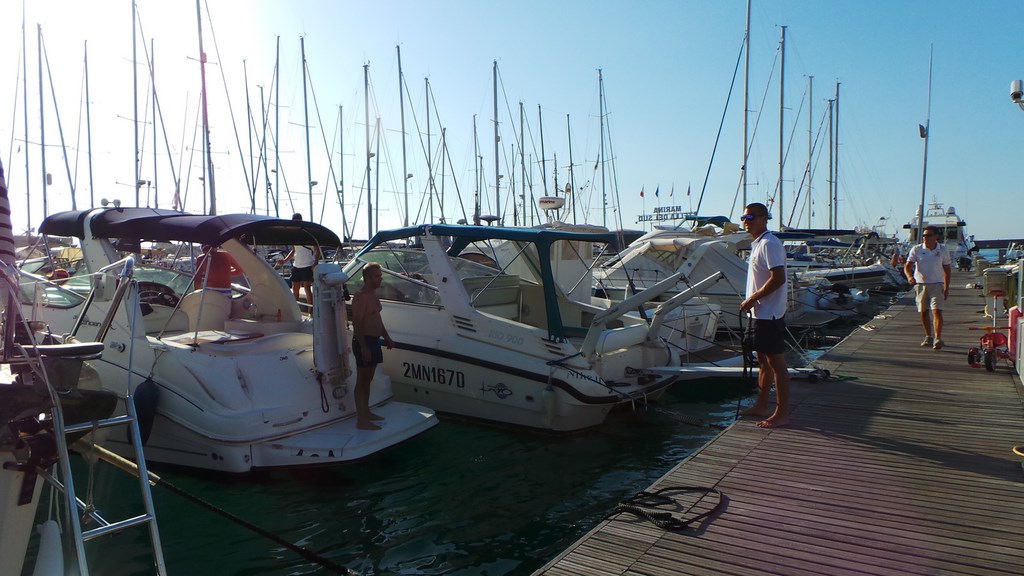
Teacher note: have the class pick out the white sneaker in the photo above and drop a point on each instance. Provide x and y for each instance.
(938, 344)
(927, 341)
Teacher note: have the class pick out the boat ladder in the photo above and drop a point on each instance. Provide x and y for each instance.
(44, 361)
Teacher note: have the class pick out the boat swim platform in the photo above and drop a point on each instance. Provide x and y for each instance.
(901, 463)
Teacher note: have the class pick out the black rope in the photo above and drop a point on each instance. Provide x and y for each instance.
(651, 506)
(301, 551)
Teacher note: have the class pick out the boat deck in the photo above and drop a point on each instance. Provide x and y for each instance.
(901, 463)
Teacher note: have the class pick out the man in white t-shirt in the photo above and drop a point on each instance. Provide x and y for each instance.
(928, 269)
(766, 302)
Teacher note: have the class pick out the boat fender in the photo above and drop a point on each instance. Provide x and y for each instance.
(145, 398)
(548, 398)
(50, 560)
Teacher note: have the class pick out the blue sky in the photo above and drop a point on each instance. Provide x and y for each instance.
(667, 67)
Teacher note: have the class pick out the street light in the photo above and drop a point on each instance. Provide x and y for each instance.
(1016, 94)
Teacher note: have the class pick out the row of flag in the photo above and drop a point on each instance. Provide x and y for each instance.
(657, 192)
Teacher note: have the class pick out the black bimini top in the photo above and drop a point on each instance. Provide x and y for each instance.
(169, 226)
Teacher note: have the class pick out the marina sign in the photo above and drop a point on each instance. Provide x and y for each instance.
(664, 213)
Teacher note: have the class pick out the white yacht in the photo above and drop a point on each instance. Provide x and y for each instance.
(223, 382)
(952, 227)
(484, 343)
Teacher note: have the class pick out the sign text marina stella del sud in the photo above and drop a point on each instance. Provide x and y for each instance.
(663, 213)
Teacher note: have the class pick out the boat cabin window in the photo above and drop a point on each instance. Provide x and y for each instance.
(406, 277)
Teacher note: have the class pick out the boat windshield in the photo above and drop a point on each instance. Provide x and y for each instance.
(178, 281)
(37, 290)
(407, 276)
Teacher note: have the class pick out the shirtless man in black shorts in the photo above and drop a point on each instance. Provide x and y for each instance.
(367, 331)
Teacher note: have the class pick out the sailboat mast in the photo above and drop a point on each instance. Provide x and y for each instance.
(835, 166)
(305, 128)
(831, 150)
(277, 129)
(266, 168)
(24, 110)
(430, 162)
(527, 211)
(746, 104)
(135, 98)
(543, 155)
(341, 173)
(497, 139)
(570, 191)
(476, 171)
(925, 134)
(88, 129)
(782, 108)
(42, 127)
(152, 82)
(401, 114)
(604, 194)
(366, 123)
(810, 144)
(206, 118)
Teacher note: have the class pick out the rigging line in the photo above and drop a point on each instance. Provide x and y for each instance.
(159, 109)
(807, 173)
(181, 157)
(78, 134)
(227, 97)
(60, 127)
(330, 156)
(789, 146)
(330, 170)
(423, 148)
(760, 112)
(718, 137)
(14, 116)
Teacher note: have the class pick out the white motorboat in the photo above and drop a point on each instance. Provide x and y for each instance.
(689, 328)
(664, 252)
(233, 383)
(479, 342)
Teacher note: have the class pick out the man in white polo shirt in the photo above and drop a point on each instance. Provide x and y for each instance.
(928, 269)
(766, 302)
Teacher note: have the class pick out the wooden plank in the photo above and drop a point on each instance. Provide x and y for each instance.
(900, 464)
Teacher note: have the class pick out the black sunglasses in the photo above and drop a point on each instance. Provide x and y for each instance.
(749, 217)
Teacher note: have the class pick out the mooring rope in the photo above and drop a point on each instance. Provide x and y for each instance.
(650, 506)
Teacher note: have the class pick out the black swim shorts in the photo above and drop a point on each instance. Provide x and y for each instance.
(373, 344)
(769, 336)
(300, 275)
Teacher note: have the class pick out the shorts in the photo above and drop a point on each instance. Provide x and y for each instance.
(376, 354)
(929, 296)
(767, 336)
(300, 275)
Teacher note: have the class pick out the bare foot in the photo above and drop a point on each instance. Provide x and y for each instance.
(367, 426)
(774, 422)
(375, 416)
(755, 411)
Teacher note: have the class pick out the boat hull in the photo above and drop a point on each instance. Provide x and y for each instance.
(501, 372)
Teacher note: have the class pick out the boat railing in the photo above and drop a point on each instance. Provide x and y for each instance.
(56, 369)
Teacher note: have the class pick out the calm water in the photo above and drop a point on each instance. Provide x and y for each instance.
(462, 499)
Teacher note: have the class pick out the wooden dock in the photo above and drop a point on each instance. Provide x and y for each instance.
(900, 464)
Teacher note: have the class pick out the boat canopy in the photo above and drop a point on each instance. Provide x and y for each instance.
(462, 236)
(167, 226)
